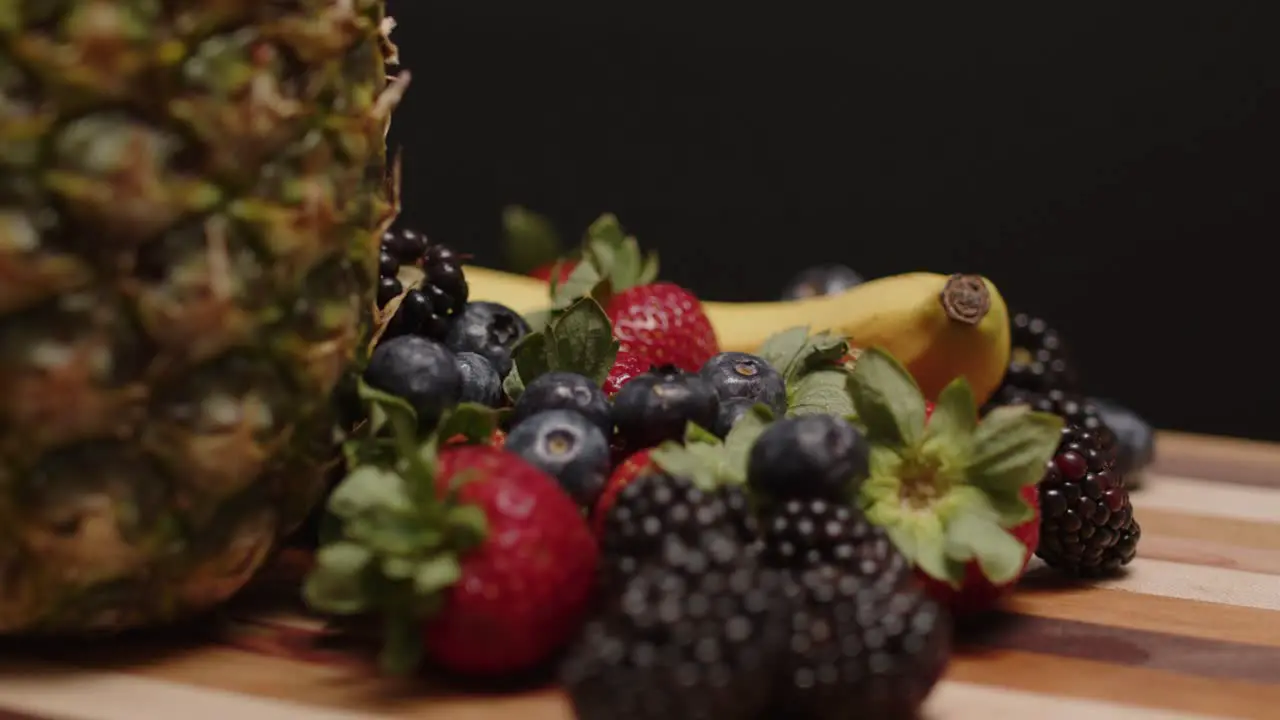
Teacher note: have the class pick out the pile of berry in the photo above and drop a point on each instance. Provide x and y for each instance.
(671, 525)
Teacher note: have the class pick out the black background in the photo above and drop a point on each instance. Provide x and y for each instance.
(1113, 168)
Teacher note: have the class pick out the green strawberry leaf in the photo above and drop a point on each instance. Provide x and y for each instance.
(337, 583)
(539, 319)
(742, 437)
(973, 536)
(531, 357)
(821, 391)
(955, 415)
(402, 648)
(887, 399)
(582, 341)
(434, 575)
(385, 409)
(582, 282)
(1011, 447)
(369, 490)
(474, 422)
(695, 433)
(579, 339)
(782, 348)
(512, 385)
(529, 239)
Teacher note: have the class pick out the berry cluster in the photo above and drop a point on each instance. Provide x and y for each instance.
(425, 309)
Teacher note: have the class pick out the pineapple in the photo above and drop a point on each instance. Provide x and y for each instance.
(191, 195)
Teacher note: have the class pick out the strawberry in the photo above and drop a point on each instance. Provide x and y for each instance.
(663, 323)
(660, 322)
(956, 494)
(543, 272)
(496, 439)
(476, 559)
(522, 593)
(625, 367)
(626, 473)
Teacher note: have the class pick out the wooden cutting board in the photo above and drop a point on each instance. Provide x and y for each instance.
(1192, 631)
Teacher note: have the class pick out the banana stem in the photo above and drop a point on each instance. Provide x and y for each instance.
(965, 298)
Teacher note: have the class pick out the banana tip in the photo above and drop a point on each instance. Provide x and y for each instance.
(966, 299)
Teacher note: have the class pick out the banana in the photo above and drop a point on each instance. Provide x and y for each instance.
(940, 327)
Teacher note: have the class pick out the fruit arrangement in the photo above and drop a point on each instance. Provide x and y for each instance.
(690, 509)
(697, 510)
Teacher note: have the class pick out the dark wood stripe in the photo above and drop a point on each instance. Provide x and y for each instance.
(1124, 646)
(15, 715)
(1227, 460)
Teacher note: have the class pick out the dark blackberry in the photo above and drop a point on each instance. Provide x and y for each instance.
(657, 506)
(804, 533)
(442, 292)
(1086, 518)
(405, 245)
(1039, 361)
(875, 650)
(1135, 439)
(695, 634)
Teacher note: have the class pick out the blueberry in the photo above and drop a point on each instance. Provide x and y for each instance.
(566, 445)
(422, 372)
(808, 457)
(1135, 438)
(731, 411)
(480, 382)
(740, 375)
(564, 391)
(821, 280)
(487, 329)
(657, 406)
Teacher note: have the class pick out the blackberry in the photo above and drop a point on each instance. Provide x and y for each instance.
(695, 634)
(863, 633)
(805, 533)
(425, 310)
(873, 651)
(657, 506)
(1086, 519)
(1039, 362)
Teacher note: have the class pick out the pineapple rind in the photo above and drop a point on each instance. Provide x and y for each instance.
(190, 195)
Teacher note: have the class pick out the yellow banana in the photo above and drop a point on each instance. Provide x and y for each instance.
(940, 327)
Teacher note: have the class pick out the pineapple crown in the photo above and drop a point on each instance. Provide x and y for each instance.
(390, 540)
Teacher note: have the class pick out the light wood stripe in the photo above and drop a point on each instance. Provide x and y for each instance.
(1208, 498)
(1153, 613)
(1232, 460)
(1192, 582)
(953, 700)
(1189, 526)
(1208, 553)
(56, 693)
(1088, 679)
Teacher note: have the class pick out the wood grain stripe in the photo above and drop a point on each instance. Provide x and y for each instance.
(1228, 460)
(1191, 582)
(1189, 526)
(953, 700)
(1160, 689)
(53, 692)
(12, 715)
(1201, 657)
(1209, 498)
(1190, 618)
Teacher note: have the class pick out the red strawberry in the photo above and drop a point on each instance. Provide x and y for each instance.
(543, 272)
(523, 592)
(625, 367)
(496, 439)
(625, 474)
(976, 593)
(663, 323)
(964, 505)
